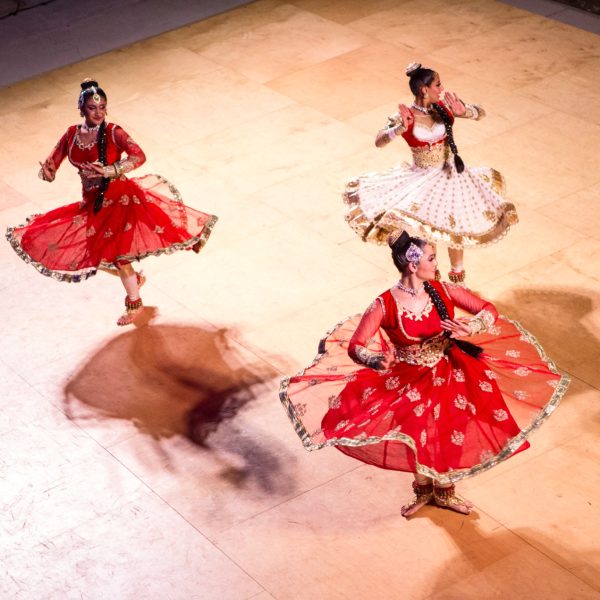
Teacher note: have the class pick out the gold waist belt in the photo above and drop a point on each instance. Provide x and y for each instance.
(427, 353)
(424, 156)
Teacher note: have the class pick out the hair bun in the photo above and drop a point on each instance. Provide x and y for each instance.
(399, 237)
(88, 83)
(412, 67)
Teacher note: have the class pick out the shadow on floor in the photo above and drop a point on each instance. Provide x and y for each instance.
(185, 381)
(560, 320)
(488, 557)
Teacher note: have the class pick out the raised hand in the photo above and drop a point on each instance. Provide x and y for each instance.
(406, 114)
(455, 104)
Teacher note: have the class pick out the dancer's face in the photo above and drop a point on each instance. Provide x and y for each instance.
(94, 112)
(435, 90)
(428, 264)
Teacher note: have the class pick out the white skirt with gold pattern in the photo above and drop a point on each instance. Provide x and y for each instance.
(460, 210)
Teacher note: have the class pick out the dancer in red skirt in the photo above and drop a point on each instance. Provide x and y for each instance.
(402, 389)
(118, 220)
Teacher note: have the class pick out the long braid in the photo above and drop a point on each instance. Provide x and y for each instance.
(442, 311)
(445, 117)
(101, 141)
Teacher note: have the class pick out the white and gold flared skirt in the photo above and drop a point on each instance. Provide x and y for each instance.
(460, 210)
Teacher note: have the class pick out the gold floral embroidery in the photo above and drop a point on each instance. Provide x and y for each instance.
(457, 438)
(392, 383)
(375, 407)
(500, 415)
(460, 402)
(334, 402)
(436, 412)
(90, 232)
(423, 438)
(513, 353)
(300, 409)
(159, 229)
(459, 375)
(419, 409)
(520, 394)
(416, 316)
(522, 371)
(127, 227)
(486, 386)
(124, 200)
(368, 392)
(413, 395)
(108, 233)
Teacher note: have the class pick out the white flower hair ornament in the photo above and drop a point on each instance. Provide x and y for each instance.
(412, 67)
(414, 254)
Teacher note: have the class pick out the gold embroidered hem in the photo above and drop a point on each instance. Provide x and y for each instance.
(460, 210)
(377, 229)
(74, 225)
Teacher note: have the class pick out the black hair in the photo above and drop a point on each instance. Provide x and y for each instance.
(399, 247)
(445, 117)
(89, 87)
(440, 306)
(101, 143)
(420, 77)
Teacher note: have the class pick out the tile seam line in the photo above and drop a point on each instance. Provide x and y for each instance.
(286, 500)
(154, 493)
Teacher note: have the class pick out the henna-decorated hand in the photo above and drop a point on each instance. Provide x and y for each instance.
(455, 104)
(457, 328)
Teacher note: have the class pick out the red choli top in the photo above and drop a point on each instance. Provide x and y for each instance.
(405, 328)
(117, 142)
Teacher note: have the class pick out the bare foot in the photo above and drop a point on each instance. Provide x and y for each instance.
(423, 494)
(412, 507)
(129, 316)
(446, 497)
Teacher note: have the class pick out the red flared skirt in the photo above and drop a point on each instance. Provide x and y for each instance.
(448, 421)
(140, 217)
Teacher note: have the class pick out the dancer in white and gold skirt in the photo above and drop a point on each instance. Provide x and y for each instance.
(437, 197)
